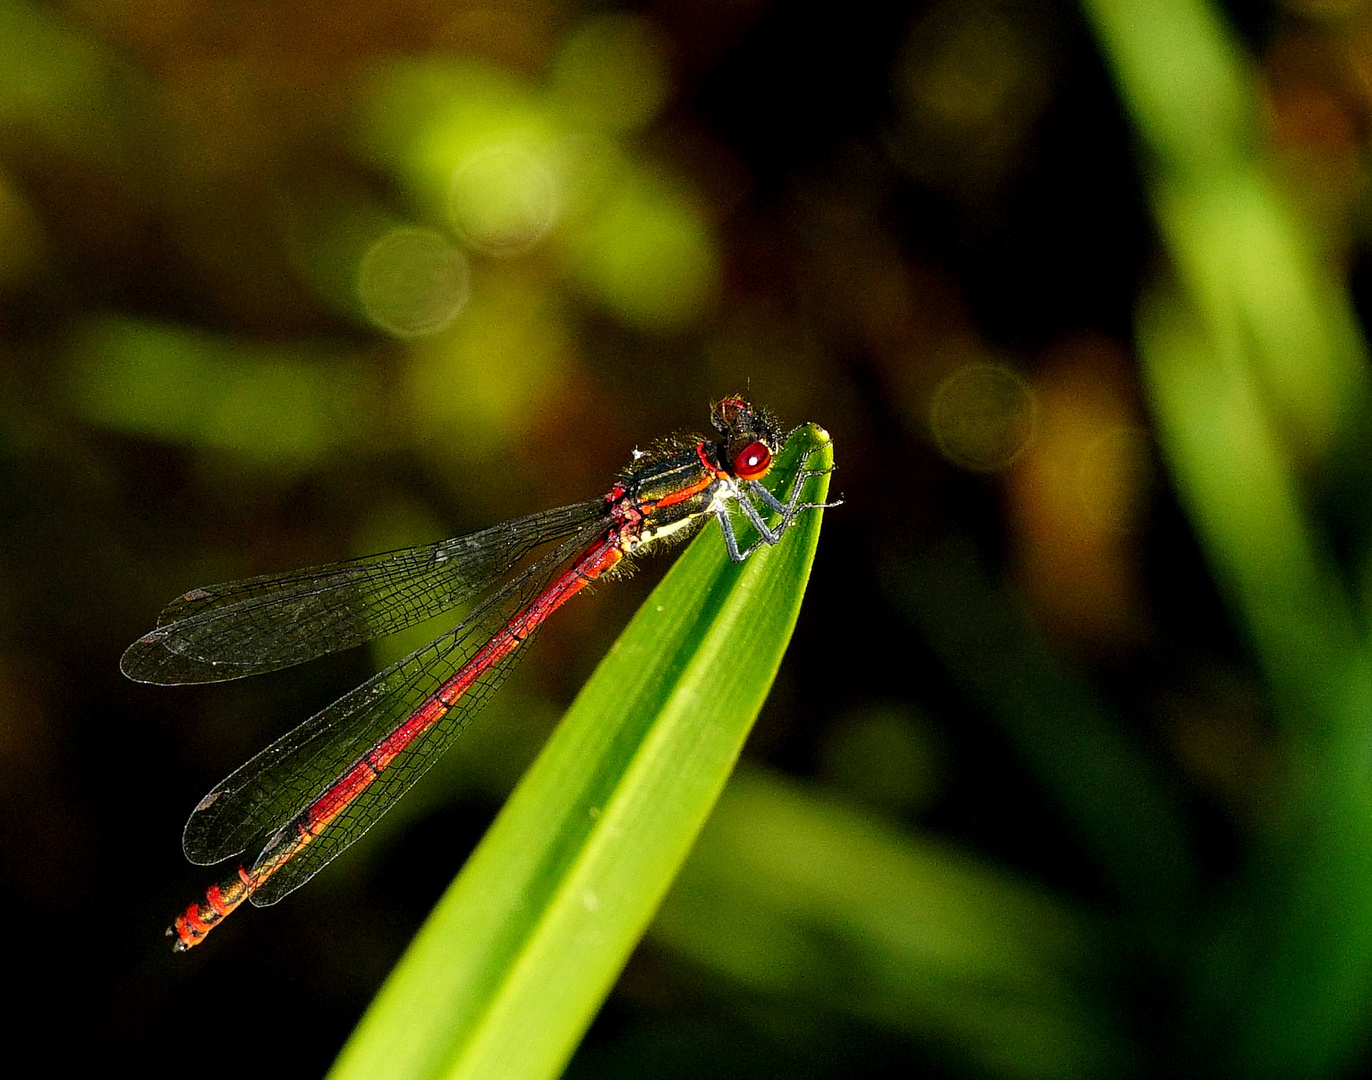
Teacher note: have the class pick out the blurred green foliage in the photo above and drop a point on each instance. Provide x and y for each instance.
(1067, 771)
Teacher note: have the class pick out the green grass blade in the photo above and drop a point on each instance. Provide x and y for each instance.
(1258, 377)
(814, 907)
(512, 965)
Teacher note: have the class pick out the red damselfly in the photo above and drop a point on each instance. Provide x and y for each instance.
(318, 788)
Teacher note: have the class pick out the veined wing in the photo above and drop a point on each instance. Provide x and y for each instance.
(263, 799)
(276, 620)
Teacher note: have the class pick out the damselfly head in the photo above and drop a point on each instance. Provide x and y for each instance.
(750, 436)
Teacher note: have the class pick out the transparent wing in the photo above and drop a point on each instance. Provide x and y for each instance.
(277, 620)
(268, 794)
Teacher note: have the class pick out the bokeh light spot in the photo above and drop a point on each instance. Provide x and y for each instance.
(426, 121)
(412, 282)
(983, 415)
(504, 199)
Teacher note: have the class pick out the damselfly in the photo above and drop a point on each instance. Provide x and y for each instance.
(318, 788)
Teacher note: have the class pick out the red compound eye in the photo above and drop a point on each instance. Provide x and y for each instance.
(753, 461)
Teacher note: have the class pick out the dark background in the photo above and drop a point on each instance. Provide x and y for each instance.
(924, 227)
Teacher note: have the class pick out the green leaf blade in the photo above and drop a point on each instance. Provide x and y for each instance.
(516, 958)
